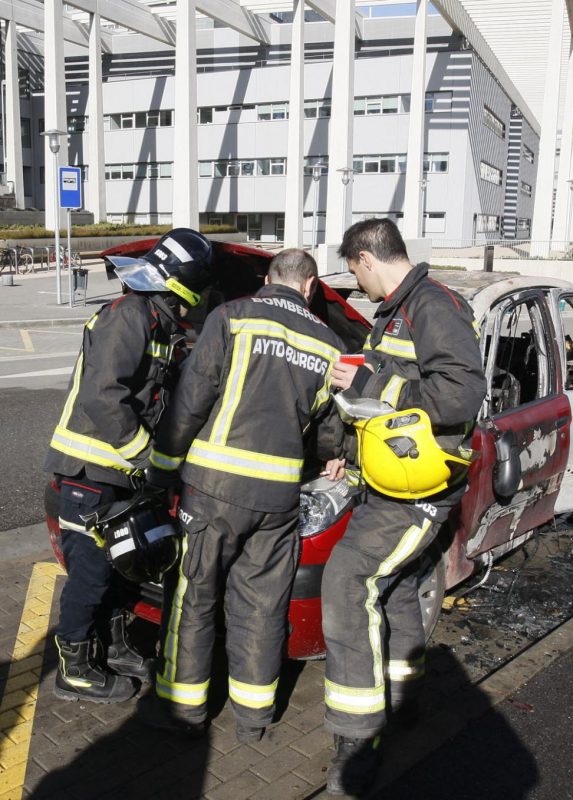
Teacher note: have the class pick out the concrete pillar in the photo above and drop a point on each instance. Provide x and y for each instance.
(95, 201)
(295, 149)
(562, 228)
(542, 210)
(13, 143)
(55, 115)
(413, 209)
(186, 173)
(340, 137)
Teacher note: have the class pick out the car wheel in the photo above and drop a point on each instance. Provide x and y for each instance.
(431, 587)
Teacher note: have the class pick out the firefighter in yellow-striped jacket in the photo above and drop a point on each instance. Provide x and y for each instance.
(125, 371)
(256, 384)
(422, 358)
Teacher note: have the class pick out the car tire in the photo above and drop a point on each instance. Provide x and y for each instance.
(431, 586)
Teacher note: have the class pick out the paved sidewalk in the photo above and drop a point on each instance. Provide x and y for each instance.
(31, 301)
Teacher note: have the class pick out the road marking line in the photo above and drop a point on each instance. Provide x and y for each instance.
(39, 374)
(38, 356)
(27, 339)
(18, 704)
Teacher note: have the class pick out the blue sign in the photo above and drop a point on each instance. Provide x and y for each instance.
(70, 183)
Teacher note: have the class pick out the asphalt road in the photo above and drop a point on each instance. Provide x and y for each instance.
(27, 420)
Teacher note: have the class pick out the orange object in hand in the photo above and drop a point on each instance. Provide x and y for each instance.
(358, 359)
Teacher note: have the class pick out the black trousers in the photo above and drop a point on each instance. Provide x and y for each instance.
(93, 593)
(371, 616)
(250, 557)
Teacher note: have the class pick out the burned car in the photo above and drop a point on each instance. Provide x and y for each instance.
(522, 477)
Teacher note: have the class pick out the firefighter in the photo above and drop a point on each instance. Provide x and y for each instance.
(125, 371)
(422, 356)
(256, 384)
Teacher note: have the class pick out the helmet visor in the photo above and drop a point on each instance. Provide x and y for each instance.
(138, 274)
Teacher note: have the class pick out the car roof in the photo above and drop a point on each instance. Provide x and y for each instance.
(481, 289)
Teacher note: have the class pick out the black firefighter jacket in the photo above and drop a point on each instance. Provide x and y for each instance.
(256, 379)
(425, 353)
(118, 390)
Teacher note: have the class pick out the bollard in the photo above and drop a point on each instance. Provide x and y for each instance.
(8, 280)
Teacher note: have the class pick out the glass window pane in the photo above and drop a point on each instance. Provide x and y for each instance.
(233, 169)
(152, 119)
(166, 118)
(358, 165)
(165, 170)
(375, 166)
(153, 170)
(115, 172)
(220, 169)
(127, 172)
(374, 105)
(310, 111)
(277, 167)
(205, 169)
(387, 164)
(360, 106)
(264, 166)
(115, 122)
(405, 104)
(324, 110)
(264, 112)
(126, 120)
(401, 162)
(248, 168)
(141, 171)
(390, 105)
(140, 119)
(280, 111)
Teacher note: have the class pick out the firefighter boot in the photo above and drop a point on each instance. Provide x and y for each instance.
(80, 677)
(123, 658)
(247, 734)
(354, 767)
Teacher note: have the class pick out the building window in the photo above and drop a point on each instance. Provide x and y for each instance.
(528, 154)
(77, 124)
(25, 132)
(233, 168)
(141, 171)
(317, 109)
(310, 161)
(490, 173)
(524, 225)
(204, 116)
(438, 101)
(138, 119)
(435, 222)
(271, 111)
(526, 188)
(487, 223)
(436, 162)
(493, 123)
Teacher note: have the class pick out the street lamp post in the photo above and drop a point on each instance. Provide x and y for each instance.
(346, 174)
(568, 227)
(54, 143)
(316, 173)
(423, 187)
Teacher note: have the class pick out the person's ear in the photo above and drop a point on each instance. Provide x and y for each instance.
(309, 289)
(365, 259)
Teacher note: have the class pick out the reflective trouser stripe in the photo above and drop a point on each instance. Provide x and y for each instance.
(88, 449)
(251, 695)
(406, 547)
(73, 526)
(354, 701)
(162, 461)
(172, 638)
(245, 462)
(399, 671)
(136, 445)
(157, 350)
(189, 694)
(391, 392)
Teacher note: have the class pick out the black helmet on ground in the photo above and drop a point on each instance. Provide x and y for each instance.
(179, 263)
(139, 538)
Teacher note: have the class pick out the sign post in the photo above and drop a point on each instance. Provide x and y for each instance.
(70, 184)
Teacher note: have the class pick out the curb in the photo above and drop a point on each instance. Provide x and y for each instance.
(463, 706)
(43, 323)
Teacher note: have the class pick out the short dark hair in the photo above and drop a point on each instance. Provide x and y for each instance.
(292, 266)
(378, 236)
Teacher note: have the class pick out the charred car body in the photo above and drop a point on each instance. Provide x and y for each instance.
(522, 477)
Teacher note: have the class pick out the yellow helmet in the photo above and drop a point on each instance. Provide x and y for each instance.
(399, 455)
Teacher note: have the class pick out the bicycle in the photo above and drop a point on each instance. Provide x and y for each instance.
(6, 260)
(76, 259)
(24, 260)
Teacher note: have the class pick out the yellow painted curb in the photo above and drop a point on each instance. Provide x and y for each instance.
(19, 700)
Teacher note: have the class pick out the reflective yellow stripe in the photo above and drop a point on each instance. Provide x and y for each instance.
(80, 682)
(233, 389)
(73, 526)
(162, 461)
(354, 701)
(264, 327)
(251, 695)
(391, 392)
(157, 350)
(88, 449)
(71, 399)
(323, 394)
(189, 694)
(136, 445)
(476, 328)
(245, 462)
(178, 288)
(172, 638)
(406, 546)
(397, 347)
(400, 671)
(92, 321)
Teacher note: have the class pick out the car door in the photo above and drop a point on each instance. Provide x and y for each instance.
(562, 307)
(523, 431)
